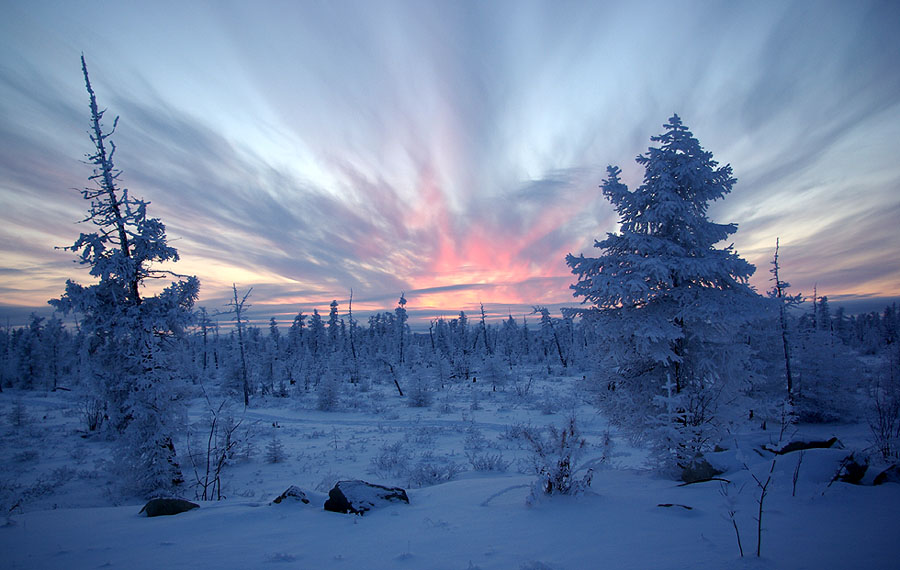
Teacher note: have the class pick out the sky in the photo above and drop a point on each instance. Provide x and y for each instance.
(450, 150)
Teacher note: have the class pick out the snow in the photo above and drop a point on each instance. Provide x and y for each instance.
(70, 515)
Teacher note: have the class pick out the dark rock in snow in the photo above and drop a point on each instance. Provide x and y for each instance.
(889, 475)
(685, 507)
(852, 471)
(357, 497)
(814, 466)
(292, 494)
(699, 469)
(164, 507)
(800, 445)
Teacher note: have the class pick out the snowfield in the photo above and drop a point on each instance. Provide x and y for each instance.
(64, 510)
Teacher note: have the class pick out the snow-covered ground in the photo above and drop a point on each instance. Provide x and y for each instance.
(66, 512)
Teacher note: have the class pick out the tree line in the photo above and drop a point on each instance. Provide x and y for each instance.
(669, 341)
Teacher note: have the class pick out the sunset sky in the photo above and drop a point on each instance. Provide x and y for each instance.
(449, 149)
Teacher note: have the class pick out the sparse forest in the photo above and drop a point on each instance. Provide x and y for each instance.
(671, 365)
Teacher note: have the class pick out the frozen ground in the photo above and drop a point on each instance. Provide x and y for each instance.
(66, 512)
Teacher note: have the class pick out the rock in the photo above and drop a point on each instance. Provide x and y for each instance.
(699, 469)
(889, 475)
(852, 471)
(165, 507)
(815, 466)
(800, 445)
(357, 497)
(685, 507)
(292, 494)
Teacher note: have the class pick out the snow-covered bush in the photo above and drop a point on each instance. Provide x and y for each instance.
(485, 461)
(328, 393)
(495, 372)
(219, 440)
(684, 429)
(475, 445)
(475, 440)
(93, 412)
(431, 470)
(395, 463)
(519, 434)
(555, 458)
(548, 402)
(391, 461)
(884, 419)
(275, 452)
(18, 416)
(419, 394)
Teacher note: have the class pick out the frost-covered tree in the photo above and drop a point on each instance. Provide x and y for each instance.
(334, 327)
(130, 333)
(316, 342)
(551, 337)
(402, 331)
(510, 340)
(828, 372)
(664, 299)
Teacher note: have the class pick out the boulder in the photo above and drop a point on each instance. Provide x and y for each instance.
(699, 469)
(165, 507)
(292, 494)
(814, 466)
(357, 497)
(889, 475)
(852, 470)
(801, 445)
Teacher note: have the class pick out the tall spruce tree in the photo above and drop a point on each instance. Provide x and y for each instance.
(129, 332)
(664, 298)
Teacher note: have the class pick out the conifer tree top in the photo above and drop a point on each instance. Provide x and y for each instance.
(665, 245)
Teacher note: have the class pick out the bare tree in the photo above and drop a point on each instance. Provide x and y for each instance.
(237, 308)
(785, 301)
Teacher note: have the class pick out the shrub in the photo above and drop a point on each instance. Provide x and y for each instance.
(555, 457)
(275, 451)
(420, 393)
(431, 470)
(18, 415)
(93, 412)
(487, 461)
(391, 461)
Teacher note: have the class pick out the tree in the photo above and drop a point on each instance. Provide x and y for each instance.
(334, 327)
(548, 330)
(130, 334)
(667, 301)
(402, 328)
(237, 308)
(785, 302)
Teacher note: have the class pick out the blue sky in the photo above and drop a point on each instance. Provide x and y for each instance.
(451, 150)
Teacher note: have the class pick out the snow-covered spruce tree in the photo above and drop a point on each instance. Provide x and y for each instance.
(666, 303)
(130, 334)
(402, 332)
